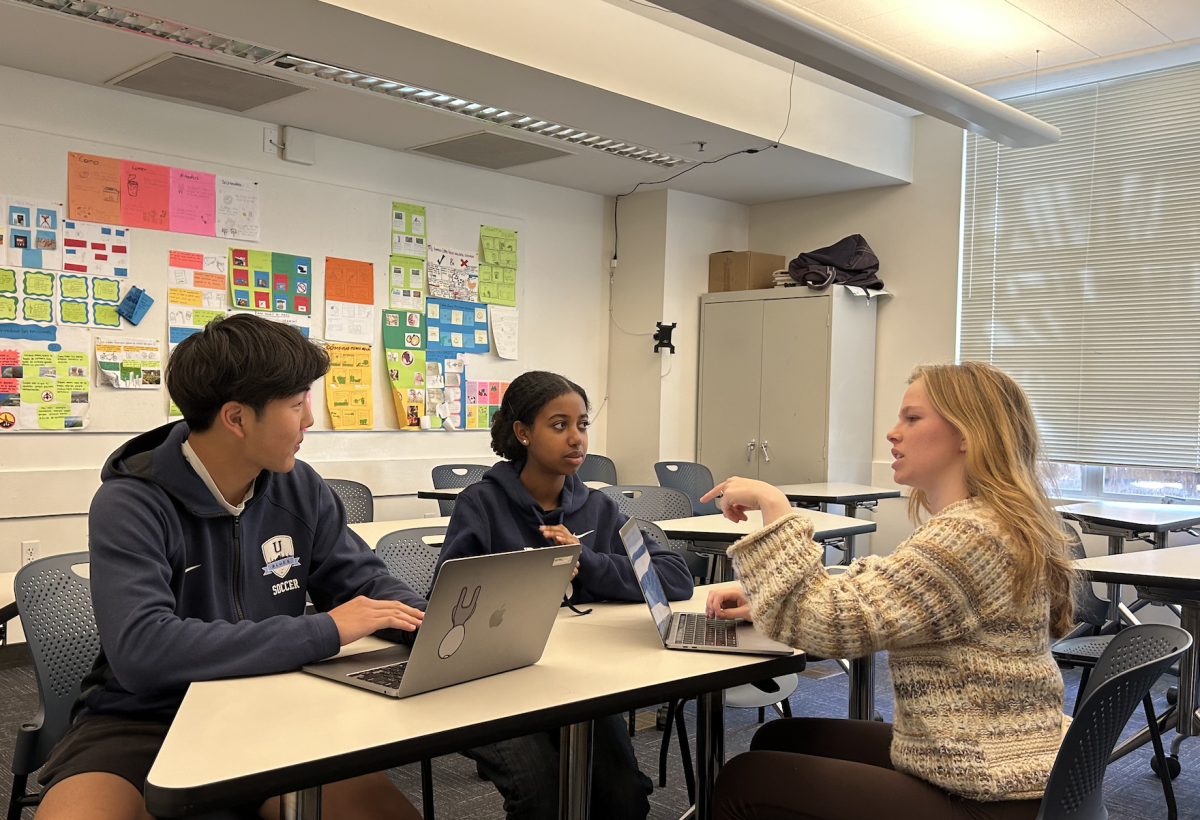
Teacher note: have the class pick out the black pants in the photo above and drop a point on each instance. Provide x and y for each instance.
(825, 769)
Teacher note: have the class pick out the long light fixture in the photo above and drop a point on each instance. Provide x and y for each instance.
(792, 32)
(475, 110)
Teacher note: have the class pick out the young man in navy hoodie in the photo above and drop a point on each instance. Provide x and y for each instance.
(205, 536)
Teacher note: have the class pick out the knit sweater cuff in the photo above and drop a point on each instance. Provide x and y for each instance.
(779, 560)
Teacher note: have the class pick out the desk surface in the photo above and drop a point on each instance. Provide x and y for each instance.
(372, 531)
(836, 492)
(451, 493)
(1174, 568)
(246, 738)
(720, 528)
(1134, 517)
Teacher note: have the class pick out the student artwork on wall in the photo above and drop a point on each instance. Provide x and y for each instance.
(406, 283)
(196, 294)
(27, 297)
(33, 229)
(455, 326)
(128, 363)
(94, 249)
(404, 358)
(88, 301)
(408, 230)
(452, 274)
(43, 383)
(348, 387)
(483, 402)
(497, 266)
(266, 281)
(349, 300)
(444, 374)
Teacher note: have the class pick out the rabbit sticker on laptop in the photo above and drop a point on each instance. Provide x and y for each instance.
(461, 613)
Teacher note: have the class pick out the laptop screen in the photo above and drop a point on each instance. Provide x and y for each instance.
(647, 577)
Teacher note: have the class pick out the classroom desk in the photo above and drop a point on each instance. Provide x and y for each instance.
(372, 531)
(1170, 576)
(850, 496)
(718, 531)
(244, 739)
(1121, 521)
(451, 493)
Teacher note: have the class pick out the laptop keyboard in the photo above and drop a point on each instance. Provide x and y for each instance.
(697, 630)
(389, 676)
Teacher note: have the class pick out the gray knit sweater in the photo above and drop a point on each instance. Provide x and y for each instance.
(979, 699)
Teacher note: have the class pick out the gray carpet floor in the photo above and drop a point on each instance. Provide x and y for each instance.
(1132, 792)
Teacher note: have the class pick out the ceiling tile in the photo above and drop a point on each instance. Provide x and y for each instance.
(1104, 26)
(970, 65)
(846, 12)
(892, 24)
(1177, 19)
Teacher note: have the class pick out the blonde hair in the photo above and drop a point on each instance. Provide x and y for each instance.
(993, 415)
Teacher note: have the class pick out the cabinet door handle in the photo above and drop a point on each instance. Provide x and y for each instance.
(750, 449)
(766, 452)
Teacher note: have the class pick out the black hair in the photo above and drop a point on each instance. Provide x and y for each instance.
(524, 399)
(242, 358)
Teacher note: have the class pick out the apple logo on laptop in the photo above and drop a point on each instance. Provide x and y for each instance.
(496, 618)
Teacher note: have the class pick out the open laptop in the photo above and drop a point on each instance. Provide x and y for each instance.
(688, 630)
(487, 614)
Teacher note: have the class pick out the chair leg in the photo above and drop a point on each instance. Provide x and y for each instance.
(1164, 773)
(762, 714)
(632, 722)
(427, 789)
(689, 776)
(14, 799)
(787, 707)
(665, 747)
(1084, 674)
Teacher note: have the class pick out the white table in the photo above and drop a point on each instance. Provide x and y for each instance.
(244, 739)
(850, 496)
(720, 531)
(1169, 576)
(1122, 521)
(372, 531)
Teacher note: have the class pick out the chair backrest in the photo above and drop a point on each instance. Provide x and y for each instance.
(693, 479)
(697, 564)
(1090, 608)
(448, 476)
(55, 603)
(598, 468)
(409, 558)
(648, 503)
(356, 498)
(1131, 664)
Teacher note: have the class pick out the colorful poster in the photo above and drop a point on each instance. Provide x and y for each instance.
(237, 209)
(483, 402)
(34, 229)
(94, 249)
(88, 301)
(27, 297)
(497, 266)
(349, 300)
(444, 373)
(408, 230)
(145, 195)
(348, 387)
(128, 363)
(452, 274)
(196, 288)
(43, 386)
(406, 367)
(406, 283)
(193, 202)
(93, 188)
(296, 320)
(275, 282)
(456, 326)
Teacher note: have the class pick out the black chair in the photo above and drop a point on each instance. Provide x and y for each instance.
(690, 478)
(648, 503)
(413, 561)
(449, 476)
(356, 498)
(598, 468)
(1132, 662)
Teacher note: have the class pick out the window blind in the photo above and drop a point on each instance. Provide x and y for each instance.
(1081, 269)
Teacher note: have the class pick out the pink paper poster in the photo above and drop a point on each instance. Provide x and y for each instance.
(193, 202)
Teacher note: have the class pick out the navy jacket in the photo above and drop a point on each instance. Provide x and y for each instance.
(498, 514)
(182, 589)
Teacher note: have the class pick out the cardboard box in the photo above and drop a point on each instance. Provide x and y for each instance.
(742, 270)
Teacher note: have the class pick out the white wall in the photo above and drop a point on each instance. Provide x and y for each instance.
(50, 478)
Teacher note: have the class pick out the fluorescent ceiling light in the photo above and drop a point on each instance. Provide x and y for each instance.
(477, 111)
(797, 34)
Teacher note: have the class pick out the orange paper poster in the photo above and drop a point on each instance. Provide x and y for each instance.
(349, 281)
(94, 188)
(145, 195)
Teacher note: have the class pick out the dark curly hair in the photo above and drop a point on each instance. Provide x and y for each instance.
(525, 398)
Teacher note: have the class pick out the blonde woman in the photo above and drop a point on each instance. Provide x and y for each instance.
(966, 609)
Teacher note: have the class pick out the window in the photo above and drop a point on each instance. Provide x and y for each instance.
(1081, 278)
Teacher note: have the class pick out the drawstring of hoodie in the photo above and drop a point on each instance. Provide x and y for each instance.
(537, 511)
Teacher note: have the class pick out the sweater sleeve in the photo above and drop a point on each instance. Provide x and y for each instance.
(468, 533)
(605, 573)
(937, 586)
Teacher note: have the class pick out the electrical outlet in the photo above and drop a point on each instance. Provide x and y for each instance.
(271, 140)
(30, 551)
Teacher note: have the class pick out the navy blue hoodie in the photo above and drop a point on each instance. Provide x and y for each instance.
(498, 514)
(182, 590)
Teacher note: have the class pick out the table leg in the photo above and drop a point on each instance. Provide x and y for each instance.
(575, 771)
(710, 749)
(721, 569)
(1188, 725)
(1116, 545)
(861, 676)
(301, 805)
(851, 512)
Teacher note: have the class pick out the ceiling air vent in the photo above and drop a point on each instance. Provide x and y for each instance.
(491, 151)
(182, 77)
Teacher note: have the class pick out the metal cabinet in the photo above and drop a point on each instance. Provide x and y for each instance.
(787, 380)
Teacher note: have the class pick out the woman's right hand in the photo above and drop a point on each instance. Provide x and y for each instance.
(728, 603)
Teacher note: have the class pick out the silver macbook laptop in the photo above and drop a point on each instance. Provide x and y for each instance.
(688, 630)
(487, 614)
